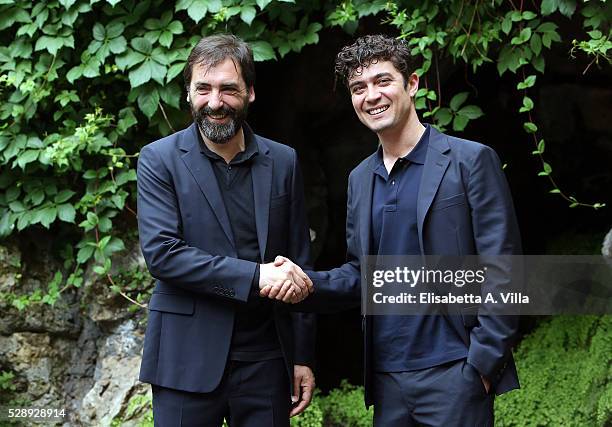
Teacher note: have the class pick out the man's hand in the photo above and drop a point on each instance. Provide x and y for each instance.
(303, 387)
(284, 280)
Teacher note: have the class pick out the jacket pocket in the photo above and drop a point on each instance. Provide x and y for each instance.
(457, 199)
(169, 303)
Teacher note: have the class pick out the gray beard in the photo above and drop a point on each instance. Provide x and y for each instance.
(219, 133)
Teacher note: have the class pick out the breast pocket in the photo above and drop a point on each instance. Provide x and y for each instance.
(447, 202)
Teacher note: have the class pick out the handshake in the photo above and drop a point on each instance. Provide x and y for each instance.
(284, 281)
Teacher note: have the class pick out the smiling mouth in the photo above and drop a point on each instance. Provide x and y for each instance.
(218, 116)
(377, 110)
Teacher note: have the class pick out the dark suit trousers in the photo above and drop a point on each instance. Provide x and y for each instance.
(251, 394)
(449, 395)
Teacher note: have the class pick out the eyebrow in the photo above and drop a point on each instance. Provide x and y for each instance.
(376, 77)
(225, 85)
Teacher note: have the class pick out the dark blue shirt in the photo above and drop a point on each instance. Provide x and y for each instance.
(406, 343)
(254, 337)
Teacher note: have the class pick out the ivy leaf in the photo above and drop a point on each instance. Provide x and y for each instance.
(165, 39)
(527, 83)
(443, 116)
(527, 105)
(458, 100)
(548, 6)
(26, 157)
(66, 212)
(263, 3)
(148, 102)
(528, 15)
(48, 215)
(142, 45)
(197, 10)
(247, 14)
(63, 196)
(174, 71)
(262, 51)
(541, 146)
(536, 44)
(127, 119)
(99, 33)
(539, 64)
(114, 30)
(471, 112)
(215, 6)
(114, 245)
(506, 25)
(140, 75)
(460, 122)
(524, 35)
(84, 254)
(67, 3)
(51, 44)
(530, 127)
(567, 7)
(117, 45)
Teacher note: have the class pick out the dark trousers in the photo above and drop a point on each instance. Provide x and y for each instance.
(251, 394)
(449, 395)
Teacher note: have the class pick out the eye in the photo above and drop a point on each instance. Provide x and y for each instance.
(384, 82)
(357, 90)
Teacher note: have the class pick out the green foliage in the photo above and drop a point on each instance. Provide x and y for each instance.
(84, 84)
(138, 409)
(565, 373)
(6, 381)
(344, 407)
(311, 417)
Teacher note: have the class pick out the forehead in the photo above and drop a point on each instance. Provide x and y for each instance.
(227, 71)
(372, 70)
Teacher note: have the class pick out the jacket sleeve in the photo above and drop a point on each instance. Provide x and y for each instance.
(304, 324)
(496, 233)
(167, 254)
(340, 288)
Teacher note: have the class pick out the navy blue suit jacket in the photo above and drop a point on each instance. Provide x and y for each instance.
(464, 207)
(187, 242)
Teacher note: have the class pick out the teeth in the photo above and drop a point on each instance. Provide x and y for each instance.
(378, 110)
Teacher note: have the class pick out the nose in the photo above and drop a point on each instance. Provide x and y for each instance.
(372, 94)
(215, 100)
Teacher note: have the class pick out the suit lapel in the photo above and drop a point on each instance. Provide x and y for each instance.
(261, 173)
(436, 164)
(201, 170)
(366, 182)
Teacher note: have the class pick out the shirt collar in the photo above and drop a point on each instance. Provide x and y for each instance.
(250, 149)
(416, 155)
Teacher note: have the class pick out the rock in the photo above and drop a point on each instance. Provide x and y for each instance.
(606, 247)
(115, 377)
(40, 360)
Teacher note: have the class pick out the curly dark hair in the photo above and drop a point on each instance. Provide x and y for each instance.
(371, 49)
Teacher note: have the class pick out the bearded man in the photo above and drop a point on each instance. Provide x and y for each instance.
(216, 204)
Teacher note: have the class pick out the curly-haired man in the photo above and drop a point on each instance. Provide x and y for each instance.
(422, 193)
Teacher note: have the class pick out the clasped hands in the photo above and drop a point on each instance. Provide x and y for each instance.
(283, 280)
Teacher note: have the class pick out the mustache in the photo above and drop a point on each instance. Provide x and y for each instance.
(224, 110)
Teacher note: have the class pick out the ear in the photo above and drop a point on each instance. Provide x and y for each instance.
(251, 94)
(413, 84)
